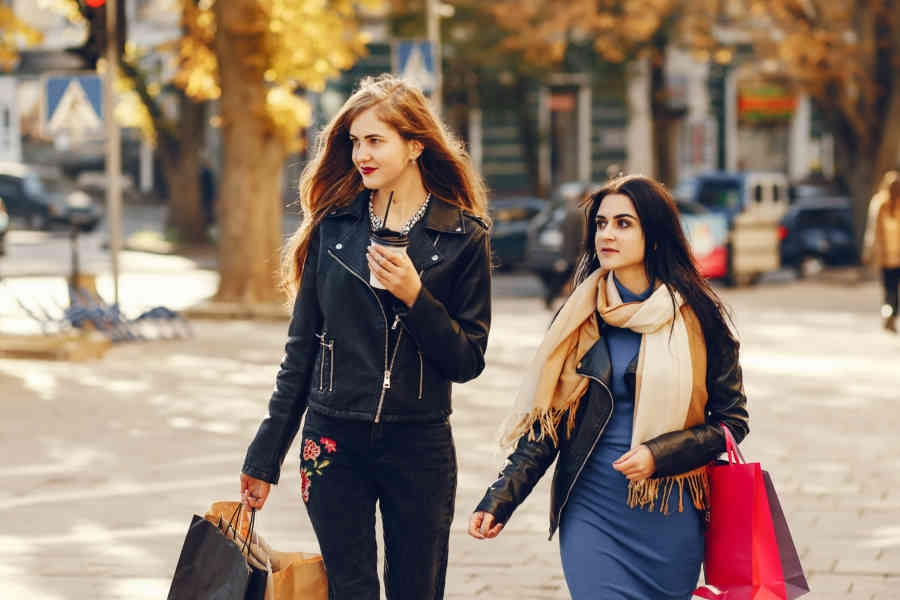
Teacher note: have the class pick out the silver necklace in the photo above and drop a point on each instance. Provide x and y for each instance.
(377, 222)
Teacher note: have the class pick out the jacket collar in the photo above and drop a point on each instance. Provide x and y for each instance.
(441, 215)
(597, 363)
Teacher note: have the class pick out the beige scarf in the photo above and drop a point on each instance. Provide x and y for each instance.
(670, 394)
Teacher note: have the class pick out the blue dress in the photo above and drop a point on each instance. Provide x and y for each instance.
(613, 552)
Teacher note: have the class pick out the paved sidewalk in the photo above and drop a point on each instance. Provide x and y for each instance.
(108, 460)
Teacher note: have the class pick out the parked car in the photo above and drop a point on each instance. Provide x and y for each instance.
(555, 236)
(753, 203)
(739, 192)
(4, 226)
(42, 204)
(509, 233)
(816, 233)
(707, 233)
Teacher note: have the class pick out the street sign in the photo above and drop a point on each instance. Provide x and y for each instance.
(73, 106)
(414, 62)
(10, 138)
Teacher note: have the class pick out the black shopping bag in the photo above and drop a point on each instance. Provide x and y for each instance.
(211, 566)
(794, 580)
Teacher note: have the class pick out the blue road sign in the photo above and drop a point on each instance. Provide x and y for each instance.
(57, 86)
(414, 61)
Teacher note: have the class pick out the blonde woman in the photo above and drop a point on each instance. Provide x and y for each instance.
(882, 243)
(379, 332)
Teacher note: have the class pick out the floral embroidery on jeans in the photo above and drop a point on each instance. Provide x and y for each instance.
(311, 465)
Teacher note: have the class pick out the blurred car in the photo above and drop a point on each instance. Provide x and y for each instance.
(43, 203)
(737, 192)
(753, 203)
(555, 237)
(817, 232)
(707, 233)
(4, 226)
(509, 233)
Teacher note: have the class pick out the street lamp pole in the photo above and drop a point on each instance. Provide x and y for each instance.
(113, 145)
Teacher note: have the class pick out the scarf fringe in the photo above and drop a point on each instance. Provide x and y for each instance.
(647, 492)
(549, 422)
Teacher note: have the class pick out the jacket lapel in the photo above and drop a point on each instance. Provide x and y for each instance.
(348, 235)
(441, 219)
(597, 363)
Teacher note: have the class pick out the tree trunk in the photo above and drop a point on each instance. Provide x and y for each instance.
(855, 166)
(862, 163)
(182, 167)
(250, 192)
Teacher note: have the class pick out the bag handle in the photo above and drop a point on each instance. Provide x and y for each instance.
(233, 523)
(734, 453)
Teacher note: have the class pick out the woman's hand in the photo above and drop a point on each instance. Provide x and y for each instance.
(396, 273)
(636, 464)
(254, 491)
(481, 526)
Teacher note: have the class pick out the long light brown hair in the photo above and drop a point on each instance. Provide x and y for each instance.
(331, 180)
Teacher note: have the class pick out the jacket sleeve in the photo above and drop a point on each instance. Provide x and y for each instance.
(522, 471)
(455, 340)
(288, 400)
(681, 451)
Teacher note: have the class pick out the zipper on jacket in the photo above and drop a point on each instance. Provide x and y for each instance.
(322, 348)
(330, 366)
(419, 352)
(387, 370)
(386, 384)
(612, 407)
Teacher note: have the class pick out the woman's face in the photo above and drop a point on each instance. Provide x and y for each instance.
(379, 153)
(619, 239)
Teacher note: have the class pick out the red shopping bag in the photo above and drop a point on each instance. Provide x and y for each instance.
(750, 554)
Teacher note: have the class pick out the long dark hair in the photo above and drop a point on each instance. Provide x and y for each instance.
(667, 255)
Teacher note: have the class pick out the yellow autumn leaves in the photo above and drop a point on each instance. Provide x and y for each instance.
(14, 34)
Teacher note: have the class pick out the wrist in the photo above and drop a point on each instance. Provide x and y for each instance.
(414, 294)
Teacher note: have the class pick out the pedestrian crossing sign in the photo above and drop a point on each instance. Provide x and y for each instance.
(414, 61)
(73, 105)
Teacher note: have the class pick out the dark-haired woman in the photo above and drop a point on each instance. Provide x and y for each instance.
(629, 388)
(378, 334)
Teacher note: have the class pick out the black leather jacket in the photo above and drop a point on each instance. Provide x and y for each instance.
(341, 359)
(674, 453)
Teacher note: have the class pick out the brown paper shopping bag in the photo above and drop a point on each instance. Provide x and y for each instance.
(292, 575)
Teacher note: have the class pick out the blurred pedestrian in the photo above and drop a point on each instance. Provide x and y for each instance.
(882, 243)
(374, 366)
(628, 392)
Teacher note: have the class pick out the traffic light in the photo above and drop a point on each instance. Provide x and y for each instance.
(94, 12)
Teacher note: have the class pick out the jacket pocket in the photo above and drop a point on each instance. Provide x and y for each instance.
(326, 363)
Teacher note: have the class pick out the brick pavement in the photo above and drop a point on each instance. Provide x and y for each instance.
(108, 460)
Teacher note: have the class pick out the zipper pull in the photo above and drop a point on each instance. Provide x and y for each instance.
(386, 384)
(396, 322)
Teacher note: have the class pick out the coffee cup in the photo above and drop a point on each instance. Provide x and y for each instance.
(392, 241)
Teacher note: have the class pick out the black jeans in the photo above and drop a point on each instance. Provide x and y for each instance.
(410, 470)
(891, 280)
